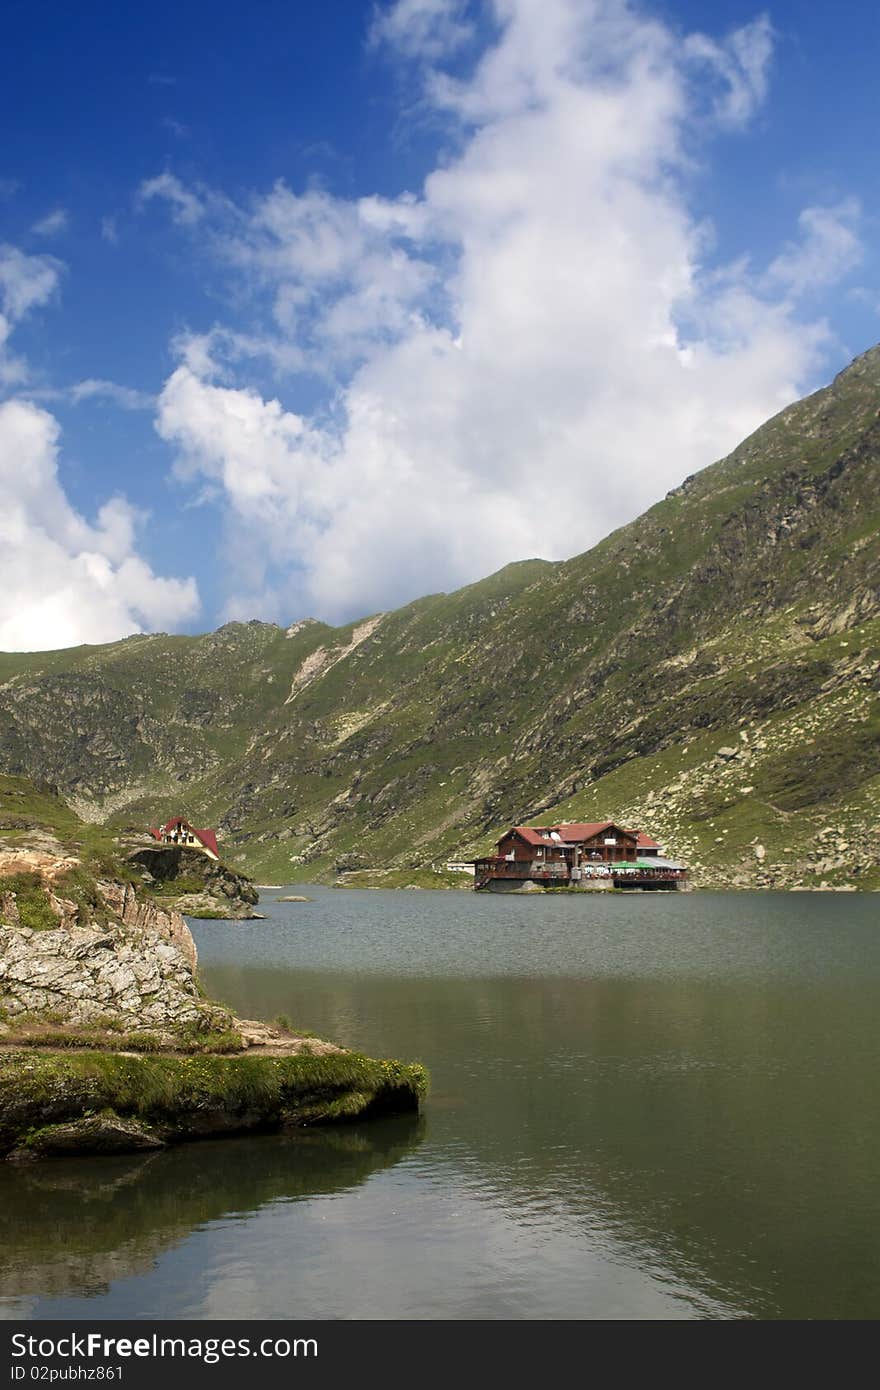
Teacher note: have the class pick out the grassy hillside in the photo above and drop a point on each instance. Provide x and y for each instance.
(743, 611)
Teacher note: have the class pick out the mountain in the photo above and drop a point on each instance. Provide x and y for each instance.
(741, 613)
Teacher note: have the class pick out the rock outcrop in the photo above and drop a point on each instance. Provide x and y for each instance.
(169, 926)
(107, 1044)
(213, 888)
(125, 966)
(126, 979)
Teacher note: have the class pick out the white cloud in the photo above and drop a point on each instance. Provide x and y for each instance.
(52, 224)
(211, 353)
(422, 28)
(109, 230)
(341, 275)
(186, 208)
(526, 353)
(26, 282)
(96, 388)
(829, 247)
(740, 63)
(64, 581)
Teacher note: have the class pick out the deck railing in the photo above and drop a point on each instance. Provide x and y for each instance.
(542, 872)
(649, 875)
(522, 868)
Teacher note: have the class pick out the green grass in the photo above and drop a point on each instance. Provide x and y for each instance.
(188, 1096)
(31, 900)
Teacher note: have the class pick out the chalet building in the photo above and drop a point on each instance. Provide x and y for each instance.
(179, 832)
(598, 854)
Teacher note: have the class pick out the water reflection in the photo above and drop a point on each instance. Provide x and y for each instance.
(666, 1111)
(80, 1225)
(721, 1133)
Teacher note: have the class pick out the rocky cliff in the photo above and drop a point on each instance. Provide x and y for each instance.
(108, 1045)
(200, 886)
(742, 611)
(112, 967)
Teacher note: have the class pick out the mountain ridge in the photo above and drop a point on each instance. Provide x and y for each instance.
(742, 610)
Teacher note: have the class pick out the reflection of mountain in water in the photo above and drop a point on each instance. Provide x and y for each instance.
(721, 1130)
(77, 1225)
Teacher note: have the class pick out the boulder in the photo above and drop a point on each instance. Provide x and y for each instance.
(92, 1134)
(207, 906)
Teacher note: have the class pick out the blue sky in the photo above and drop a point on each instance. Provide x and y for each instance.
(314, 309)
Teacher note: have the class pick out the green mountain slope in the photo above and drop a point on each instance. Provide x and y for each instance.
(742, 612)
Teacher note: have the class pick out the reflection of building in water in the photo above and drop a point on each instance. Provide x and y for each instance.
(179, 832)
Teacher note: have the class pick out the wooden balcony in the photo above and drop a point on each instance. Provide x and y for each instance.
(521, 869)
(635, 878)
(552, 873)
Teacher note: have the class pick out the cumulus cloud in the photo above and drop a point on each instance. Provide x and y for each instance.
(63, 580)
(186, 208)
(342, 276)
(523, 354)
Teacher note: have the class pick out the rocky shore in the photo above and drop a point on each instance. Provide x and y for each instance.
(108, 1045)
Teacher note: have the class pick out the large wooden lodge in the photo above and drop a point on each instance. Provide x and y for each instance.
(593, 855)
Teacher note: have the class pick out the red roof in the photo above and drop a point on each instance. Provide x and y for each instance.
(208, 838)
(525, 832)
(573, 831)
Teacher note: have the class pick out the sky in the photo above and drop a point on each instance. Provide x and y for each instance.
(310, 310)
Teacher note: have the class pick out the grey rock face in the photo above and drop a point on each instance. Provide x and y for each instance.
(169, 926)
(133, 975)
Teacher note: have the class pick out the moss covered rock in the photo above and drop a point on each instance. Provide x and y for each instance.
(99, 1102)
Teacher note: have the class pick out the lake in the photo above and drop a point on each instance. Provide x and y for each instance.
(642, 1106)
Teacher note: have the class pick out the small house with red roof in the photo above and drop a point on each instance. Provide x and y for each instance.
(180, 833)
(577, 854)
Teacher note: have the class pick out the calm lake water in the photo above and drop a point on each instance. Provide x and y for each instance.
(652, 1106)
